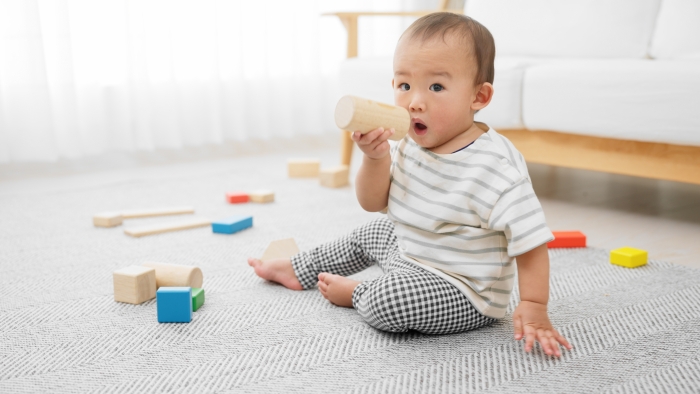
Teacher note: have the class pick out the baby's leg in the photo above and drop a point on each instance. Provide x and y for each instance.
(366, 245)
(411, 298)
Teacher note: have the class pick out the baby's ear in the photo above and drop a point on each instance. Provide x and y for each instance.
(392, 83)
(483, 96)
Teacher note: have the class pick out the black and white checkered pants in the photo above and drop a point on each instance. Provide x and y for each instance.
(406, 297)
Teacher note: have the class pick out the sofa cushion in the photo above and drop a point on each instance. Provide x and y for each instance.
(504, 110)
(645, 100)
(371, 78)
(677, 33)
(569, 28)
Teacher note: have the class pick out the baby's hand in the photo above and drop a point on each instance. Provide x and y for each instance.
(531, 317)
(374, 144)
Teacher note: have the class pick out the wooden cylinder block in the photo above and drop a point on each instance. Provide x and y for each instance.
(358, 114)
(171, 275)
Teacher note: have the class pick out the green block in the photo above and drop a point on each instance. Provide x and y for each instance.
(197, 299)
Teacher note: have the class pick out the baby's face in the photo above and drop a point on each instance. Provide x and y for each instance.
(434, 81)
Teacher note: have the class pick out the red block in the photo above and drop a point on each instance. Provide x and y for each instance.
(236, 197)
(568, 239)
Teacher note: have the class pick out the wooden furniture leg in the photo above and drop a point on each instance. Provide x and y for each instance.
(346, 148)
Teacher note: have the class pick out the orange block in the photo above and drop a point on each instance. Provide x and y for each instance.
(568, 239)
(237, 197)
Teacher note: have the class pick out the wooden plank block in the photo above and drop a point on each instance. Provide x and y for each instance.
(175, 275)
(335, 177)
(280, 249)
(166, 227)
(567, 239)
(303, 168)
(134, 284)
(262, 196)
(107, 219)
(679, 163)
(236, 197)
(144, 213)
(232, 224)
(628, 257)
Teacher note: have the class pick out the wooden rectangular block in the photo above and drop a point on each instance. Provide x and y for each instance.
(628, 257)
(111, 219)
(279, 249)
(147, 213)
(197, 299)
(107, 219)
(134, 284)
(567, 239)
(166, 227)
(174, 304)
(232, 224)
(236, 197)
(303, 168)
(262, 196)
(335, 176)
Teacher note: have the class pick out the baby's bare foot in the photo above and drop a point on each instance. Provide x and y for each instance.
(337, 289)
(276, 270)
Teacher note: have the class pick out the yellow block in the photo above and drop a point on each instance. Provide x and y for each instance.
(628, 257)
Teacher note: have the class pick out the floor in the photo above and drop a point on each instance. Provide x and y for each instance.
(612, 210)
(661, 217)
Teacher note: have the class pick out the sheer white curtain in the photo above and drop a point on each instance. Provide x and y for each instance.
(83, 77)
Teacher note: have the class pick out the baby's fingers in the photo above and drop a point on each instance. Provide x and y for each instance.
(530, 336)
(543, 337)
(518, 328)
(367, 138)
(561, 340)
(552, 344)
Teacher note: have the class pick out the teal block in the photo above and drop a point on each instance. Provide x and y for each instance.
(174, 304)
(232, 224)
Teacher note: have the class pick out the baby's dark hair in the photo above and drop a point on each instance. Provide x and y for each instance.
(483, 48)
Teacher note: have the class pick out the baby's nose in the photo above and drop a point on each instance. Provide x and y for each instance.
(417, 106)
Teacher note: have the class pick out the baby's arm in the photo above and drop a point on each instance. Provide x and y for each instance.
(374, 178)
(530, 317)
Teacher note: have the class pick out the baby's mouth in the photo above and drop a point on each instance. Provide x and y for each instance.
(419, 127)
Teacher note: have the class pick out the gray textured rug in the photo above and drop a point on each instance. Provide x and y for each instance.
(634, 330)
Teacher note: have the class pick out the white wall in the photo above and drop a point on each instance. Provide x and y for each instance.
(82, 77)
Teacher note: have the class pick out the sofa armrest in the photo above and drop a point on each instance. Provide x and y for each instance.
(349, 20)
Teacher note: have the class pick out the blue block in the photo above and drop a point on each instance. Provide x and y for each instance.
(232, 224)
(174, 304)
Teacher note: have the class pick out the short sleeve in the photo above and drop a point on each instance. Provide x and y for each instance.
(393, 151)
(519, 215)
(393, 147)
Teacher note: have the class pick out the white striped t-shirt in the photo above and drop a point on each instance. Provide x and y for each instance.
(465, 215)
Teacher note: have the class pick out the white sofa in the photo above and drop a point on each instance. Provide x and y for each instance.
(611, 85)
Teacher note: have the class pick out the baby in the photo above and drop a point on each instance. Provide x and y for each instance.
(461, 210)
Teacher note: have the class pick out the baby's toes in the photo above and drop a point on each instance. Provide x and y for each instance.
(253, 262)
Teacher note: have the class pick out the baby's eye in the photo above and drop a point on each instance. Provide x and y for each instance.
(404, 86)
(436, 87)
